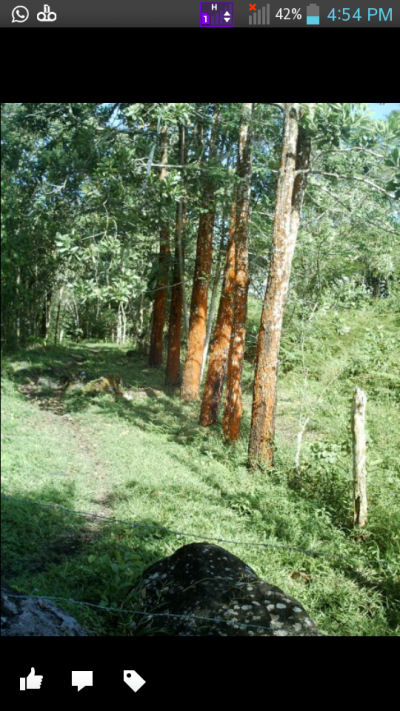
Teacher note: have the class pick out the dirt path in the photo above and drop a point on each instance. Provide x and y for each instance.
(82, 438)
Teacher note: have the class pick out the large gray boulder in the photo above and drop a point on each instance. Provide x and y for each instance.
(30, 617)
(207, 582)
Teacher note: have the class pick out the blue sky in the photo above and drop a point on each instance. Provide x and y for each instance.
(382, 111)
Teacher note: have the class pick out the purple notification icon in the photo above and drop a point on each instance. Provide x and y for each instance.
(216, 14)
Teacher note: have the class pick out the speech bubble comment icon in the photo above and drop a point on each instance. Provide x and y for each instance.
(133, 679)
(20, 14)
(82, 679)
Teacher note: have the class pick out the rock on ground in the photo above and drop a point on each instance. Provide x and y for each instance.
(28, 617)
(206, 581)
(50, 383)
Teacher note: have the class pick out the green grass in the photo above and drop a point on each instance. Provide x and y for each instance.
(148, 461)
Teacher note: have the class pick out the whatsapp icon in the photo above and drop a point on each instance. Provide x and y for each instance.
(20, 14)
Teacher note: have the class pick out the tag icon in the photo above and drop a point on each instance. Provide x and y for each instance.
(134, 681)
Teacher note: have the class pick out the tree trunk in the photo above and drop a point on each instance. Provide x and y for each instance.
(179, 234)
(233, 405)
(172, 373)
(222, 335)
(18, 315)
(214, 290)
(139, 331)
(46, 315)
(121, 324)
(160, 301)
(198, 311)
(58, 315)
(359, 457)
(283, 239)
(75, 316)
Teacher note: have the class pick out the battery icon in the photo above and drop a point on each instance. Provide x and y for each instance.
(312, 14)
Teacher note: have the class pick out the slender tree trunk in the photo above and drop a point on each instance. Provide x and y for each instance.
(181, 220)
(261, 445)
(172, 373)
(75, 314)
(213, 301)
(18, 292)
(190, 389)
(141, 312)
(121, 324)
(359, 458)
(217, 273)
(222, 335)
(43, 319)
(160, 301)
(58, 315)
(233, 405)
(46, 315)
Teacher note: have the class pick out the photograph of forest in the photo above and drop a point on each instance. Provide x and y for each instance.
(200, 334)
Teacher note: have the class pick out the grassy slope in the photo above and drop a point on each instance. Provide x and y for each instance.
(148, 461)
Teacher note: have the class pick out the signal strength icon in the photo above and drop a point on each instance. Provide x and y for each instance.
(260, 16)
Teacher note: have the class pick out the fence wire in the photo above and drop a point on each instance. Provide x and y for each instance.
(183, 534)
(104, 608)
(167, 531)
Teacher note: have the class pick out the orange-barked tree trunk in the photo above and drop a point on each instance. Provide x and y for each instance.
(190, 389)
(222, 335)
(160, 301)
(178, 298)
(262, 433)
(172, 373)
(233, 404)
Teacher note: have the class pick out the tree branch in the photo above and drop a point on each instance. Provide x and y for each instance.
(352, 177)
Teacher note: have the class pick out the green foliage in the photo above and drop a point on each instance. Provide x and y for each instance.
(141, 457)
(82, 206)
(118, 569)
(324, 478)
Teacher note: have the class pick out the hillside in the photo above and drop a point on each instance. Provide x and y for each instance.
(146, 461)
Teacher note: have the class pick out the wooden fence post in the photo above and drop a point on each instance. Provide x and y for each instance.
(359, 457)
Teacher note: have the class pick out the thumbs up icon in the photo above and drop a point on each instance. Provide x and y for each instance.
(47, 15)
(31, 682)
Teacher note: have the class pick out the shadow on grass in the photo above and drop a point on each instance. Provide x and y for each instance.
(72, 360)
(57, 553)
(387, 586)
(167, 414)
(53, 552)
